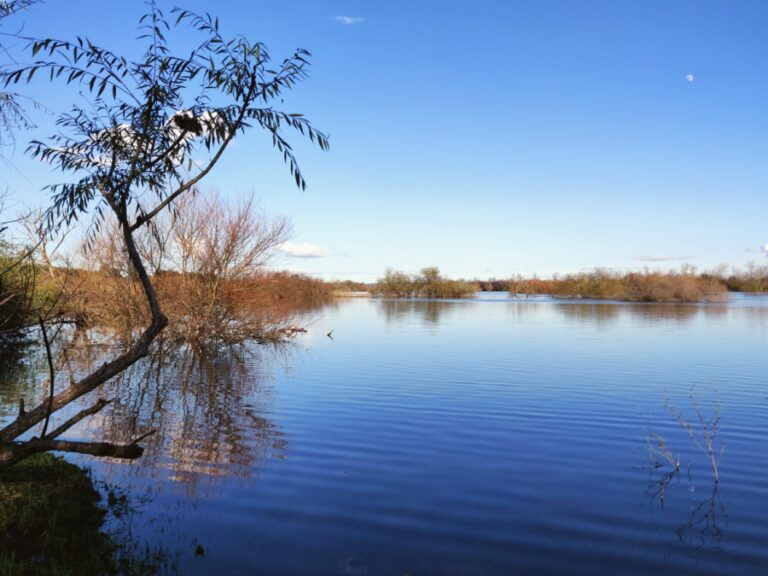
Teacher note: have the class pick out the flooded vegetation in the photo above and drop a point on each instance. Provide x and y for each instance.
(640, 287)
(426, 284)
(684, 285)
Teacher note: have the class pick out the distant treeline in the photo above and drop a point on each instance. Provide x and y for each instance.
(647, 286)
(629, 287)
(426, 284)
(346, 286)
(212, 299)
(685, 285)
(754, 279)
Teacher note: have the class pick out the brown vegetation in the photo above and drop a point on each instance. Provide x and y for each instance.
(350, 287)
(752, 280)
(206, 261)
(684, 285)
(495, 285)
(427, 284)
(153, 128)
(645, 286)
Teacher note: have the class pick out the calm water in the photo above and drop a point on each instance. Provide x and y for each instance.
(483, 437)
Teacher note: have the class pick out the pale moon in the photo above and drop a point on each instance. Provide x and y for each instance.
(689, 77)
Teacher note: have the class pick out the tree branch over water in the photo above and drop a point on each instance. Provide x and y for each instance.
(134, 150)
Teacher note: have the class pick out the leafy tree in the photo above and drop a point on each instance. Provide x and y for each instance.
(12, 112)
(152, 129)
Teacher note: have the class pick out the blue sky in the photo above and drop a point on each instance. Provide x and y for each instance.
(493, 137)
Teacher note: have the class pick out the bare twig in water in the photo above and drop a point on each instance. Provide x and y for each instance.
(702, 431)
(661, 456)
(704, 522)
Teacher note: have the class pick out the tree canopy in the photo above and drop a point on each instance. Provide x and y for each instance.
(150, 131)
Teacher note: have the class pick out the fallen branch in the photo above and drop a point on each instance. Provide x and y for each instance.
(16, 452)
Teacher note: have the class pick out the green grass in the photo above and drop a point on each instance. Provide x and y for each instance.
(51, 523)
(50, 520)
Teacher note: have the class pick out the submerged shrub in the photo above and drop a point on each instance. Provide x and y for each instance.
(427, 284)
(602, 284)
(207, 263)
(752, 280)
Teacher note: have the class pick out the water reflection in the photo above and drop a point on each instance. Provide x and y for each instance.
(541, 477)
(599, 313)
(606, 314)
(208, 415)
(20, 369)
(428, 311)
(603, 314)
(703, 527)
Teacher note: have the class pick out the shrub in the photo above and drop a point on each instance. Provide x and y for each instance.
(601, 284)
(427, 284)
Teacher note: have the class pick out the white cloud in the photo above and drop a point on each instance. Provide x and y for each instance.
(690, 77)
(303, 250)
(661, 258)
(349, 20)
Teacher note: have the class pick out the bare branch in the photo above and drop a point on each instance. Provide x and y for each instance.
(13, 453)
(190, 183)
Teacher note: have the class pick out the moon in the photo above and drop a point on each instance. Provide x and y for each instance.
(689, 77)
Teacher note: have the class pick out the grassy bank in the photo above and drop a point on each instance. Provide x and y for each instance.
(51, 523)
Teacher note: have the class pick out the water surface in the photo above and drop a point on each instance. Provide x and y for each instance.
(492, 436)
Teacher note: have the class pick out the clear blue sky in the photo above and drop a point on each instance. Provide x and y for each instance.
(495, 137)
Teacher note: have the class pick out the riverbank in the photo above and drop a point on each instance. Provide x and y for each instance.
(52, 521)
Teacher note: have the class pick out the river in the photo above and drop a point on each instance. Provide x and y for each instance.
(486, 436)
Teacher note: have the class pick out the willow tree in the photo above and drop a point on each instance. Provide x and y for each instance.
(149, 132)
(12, 111)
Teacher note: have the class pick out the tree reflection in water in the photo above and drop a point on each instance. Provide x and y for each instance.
(608, 313)
(703, 527)
(704, 524)
(208, 413)
(601, 314)
(20, 367)
(430, 312)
